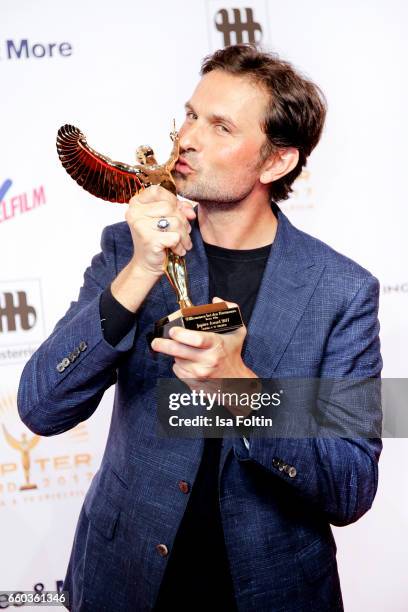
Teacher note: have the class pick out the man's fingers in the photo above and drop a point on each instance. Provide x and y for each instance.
(154, 238)
(181, 372)
(155, 211)
(229, 304)
(169, 240)
(175, 225)
(187, 209)
(183, 238)
(175, 349)
(150, 240)
(161, 209)
(194, 338)
(154, 193)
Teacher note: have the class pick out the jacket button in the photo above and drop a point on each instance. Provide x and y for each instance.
(292, 472)
(65, 362)
(72, 357)
(184, 486)
(281, 466)
(60, 368)
(83, 346)
(162, 550)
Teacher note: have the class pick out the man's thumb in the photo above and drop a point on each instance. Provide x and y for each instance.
(229, 304)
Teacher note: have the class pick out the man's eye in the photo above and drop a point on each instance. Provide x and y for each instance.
(222, 128)
(191, 115)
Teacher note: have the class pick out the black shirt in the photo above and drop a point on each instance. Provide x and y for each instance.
(197, 575)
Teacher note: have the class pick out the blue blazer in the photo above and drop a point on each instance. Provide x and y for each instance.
(315, 316)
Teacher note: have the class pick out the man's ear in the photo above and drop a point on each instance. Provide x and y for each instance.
(279, 163)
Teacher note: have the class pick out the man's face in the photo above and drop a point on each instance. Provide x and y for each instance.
(220, 139)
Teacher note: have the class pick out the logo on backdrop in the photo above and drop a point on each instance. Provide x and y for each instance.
(302, 197)
(23, 48)
(395, 288)
(16, 312)
(12, 207)
(24, 446)
(236, 22)
(21, 320)
(238, 30)
(33, 468)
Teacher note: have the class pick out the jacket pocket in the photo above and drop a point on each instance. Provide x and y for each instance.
(103, 516)
(316, 559)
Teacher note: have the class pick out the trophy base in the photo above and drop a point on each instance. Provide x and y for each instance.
(28, 487)
(218, 317)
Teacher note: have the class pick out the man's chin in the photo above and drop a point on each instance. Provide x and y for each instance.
(179, 175)
(198, 192)
(182, 185)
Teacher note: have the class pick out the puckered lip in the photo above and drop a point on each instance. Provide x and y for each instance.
(184, 162)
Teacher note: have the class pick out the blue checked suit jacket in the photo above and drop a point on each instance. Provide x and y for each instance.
(315, 316)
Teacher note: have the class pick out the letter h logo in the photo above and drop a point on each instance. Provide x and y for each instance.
(238, 26)
(11, 311)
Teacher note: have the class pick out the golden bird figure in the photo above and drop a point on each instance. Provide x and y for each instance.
(111, 180)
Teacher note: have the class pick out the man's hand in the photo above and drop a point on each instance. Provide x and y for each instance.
(134, 282)
(202, 358)
(205, 355)
(145, 210)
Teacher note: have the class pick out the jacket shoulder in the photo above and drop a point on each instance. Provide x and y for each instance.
(119, 233)
(336, 263)
(342, 277)
(116, 242)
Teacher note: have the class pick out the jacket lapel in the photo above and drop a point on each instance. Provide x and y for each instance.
(288, 283)
(289, 280)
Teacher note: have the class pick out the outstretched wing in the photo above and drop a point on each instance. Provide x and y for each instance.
(11, 440)
(104, 178)
(34, 441)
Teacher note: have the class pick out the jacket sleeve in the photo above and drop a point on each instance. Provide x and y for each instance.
(65, 379)
(337, 475)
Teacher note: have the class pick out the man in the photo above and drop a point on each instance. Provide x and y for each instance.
(229, 524)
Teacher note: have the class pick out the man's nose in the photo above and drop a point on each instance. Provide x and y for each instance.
(189, 137)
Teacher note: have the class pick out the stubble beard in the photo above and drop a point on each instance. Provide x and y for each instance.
(210, 195)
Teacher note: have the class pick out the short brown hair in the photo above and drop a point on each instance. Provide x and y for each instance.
(297, 110)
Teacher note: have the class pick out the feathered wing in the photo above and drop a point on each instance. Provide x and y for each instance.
(34, 441)
(11, 440)
(104, 178)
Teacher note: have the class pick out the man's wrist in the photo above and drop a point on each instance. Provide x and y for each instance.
(132, 285)
(116, 320)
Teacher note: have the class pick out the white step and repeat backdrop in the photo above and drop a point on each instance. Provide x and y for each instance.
(121, 71)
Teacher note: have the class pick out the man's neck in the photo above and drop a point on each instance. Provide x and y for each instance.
(244, 225)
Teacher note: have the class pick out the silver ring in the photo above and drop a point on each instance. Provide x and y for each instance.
(163, 224)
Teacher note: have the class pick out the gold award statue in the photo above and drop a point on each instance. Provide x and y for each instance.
(118, 182)
(24, 446)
